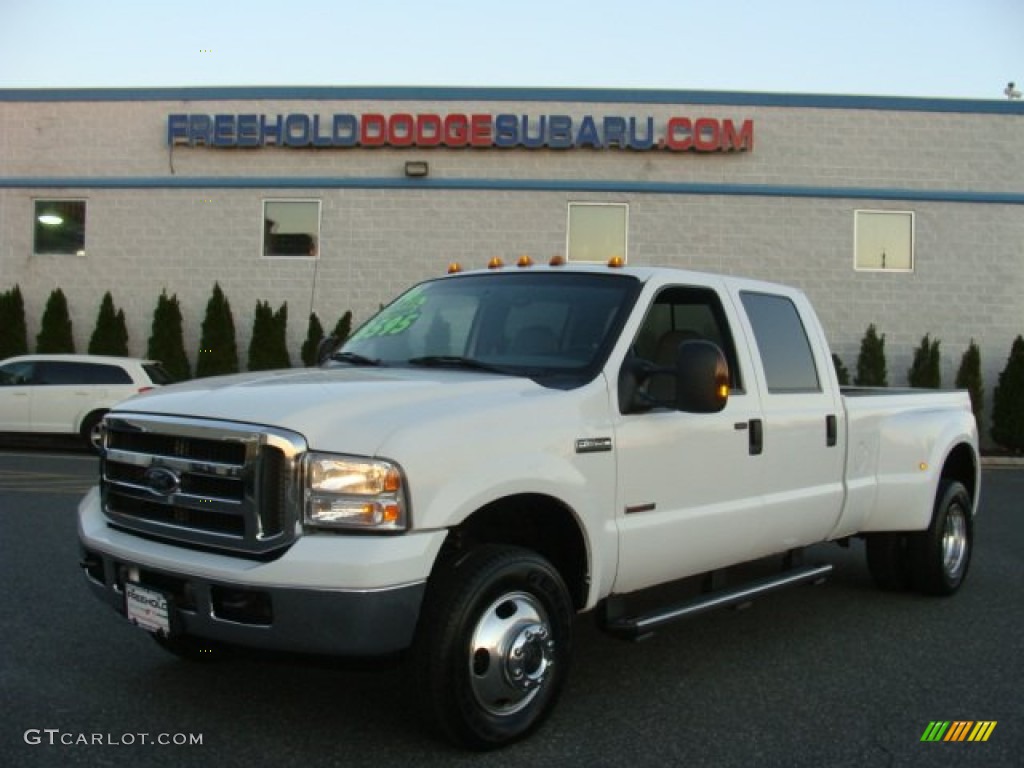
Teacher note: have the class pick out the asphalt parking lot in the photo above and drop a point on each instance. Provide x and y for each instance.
(836, 675)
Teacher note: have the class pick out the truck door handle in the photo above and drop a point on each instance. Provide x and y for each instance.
(831, 431)
(756, 433)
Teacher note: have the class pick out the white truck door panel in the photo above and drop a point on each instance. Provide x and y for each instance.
(681, 511)
(804, 450)
(690, 485)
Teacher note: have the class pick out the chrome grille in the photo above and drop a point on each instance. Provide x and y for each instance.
(208, 483)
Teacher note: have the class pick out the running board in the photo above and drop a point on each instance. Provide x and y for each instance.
(639, 627)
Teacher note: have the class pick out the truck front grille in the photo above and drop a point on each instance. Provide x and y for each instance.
(214, 484)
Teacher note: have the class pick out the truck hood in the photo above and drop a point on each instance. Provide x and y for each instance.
(349, 409)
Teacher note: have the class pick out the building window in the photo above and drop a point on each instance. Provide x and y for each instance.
(291, 228)
(597, 231)
(59, 227)
(884, 240)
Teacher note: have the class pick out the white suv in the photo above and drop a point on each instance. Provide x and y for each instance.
(68, 394)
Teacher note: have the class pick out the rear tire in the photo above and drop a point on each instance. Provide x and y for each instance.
(493, 647)
(940, 556)
(90, 430)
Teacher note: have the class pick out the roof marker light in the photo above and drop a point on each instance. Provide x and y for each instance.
(495, 263)
(557, 261)
(524, 261)
(616, 262)
(454, 268)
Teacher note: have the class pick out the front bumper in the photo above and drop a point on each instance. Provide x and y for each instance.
(328, 594)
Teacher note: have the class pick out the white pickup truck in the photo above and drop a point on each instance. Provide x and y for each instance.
(499, 450)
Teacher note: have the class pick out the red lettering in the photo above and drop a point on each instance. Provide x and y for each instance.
(480, 131)
(742, 142)
(705, 135)
(428, 130)
(401, 130)
(456, 130)
(373, 130)
(683, 125)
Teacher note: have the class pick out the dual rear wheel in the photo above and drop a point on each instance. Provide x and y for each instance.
(934, 561)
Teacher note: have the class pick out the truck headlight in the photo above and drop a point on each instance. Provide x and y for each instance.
(348, 492)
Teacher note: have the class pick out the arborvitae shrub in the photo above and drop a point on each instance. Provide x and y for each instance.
(110, 336)
(279, 338)
(968, 377)
(1008, 401)
(925, 371)
(218, 350)
(314, 335)
(841, 373)
(871, 360)
(167, 343)
(262, 331)
(343, 328)
(13, 332)
(268, 349)
(55, 335)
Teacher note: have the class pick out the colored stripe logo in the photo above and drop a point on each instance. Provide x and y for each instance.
(958, 730)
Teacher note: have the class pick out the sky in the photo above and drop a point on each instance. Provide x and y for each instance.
(927, 48)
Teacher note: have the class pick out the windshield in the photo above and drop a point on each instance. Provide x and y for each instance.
(531, 324)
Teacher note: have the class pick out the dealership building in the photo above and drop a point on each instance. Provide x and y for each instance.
(906, 213)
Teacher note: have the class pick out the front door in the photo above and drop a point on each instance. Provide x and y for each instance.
(690, 485)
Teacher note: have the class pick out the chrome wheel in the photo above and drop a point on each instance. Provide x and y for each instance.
(954, 541)
(511, 653)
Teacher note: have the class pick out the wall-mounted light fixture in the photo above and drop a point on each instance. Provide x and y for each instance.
(417, 168)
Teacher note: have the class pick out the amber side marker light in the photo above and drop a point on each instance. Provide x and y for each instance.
(723, 391)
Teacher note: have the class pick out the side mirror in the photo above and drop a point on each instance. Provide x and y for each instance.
(326, 348)
(702, 378)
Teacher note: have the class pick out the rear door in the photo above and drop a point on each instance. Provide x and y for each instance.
(802, 452)
(69, 390)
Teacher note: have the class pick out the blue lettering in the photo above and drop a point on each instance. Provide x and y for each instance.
(177, 129)
(270, 131)
(224, 131)
(587, 136)
(345, 131)
(199, 129)
(318, 140)
(560, 134)
(615, 132)
(248, 130)
(537, 141)
(635, 142)
(293, 139)
(506, 131)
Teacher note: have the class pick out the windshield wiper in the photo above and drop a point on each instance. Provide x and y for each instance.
(454, 361)
(354, 359)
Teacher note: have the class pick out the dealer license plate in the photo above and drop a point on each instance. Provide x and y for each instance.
(147, 608)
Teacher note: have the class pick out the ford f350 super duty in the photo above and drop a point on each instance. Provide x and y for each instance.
(497, 451)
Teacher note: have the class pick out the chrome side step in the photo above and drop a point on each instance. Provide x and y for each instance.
(639, 627)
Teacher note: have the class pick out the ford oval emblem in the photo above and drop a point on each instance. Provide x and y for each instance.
(162, 481)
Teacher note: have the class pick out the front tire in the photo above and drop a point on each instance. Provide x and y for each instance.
(940, 556)
(493, 647)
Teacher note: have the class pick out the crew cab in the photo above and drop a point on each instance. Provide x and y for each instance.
(500, 450)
